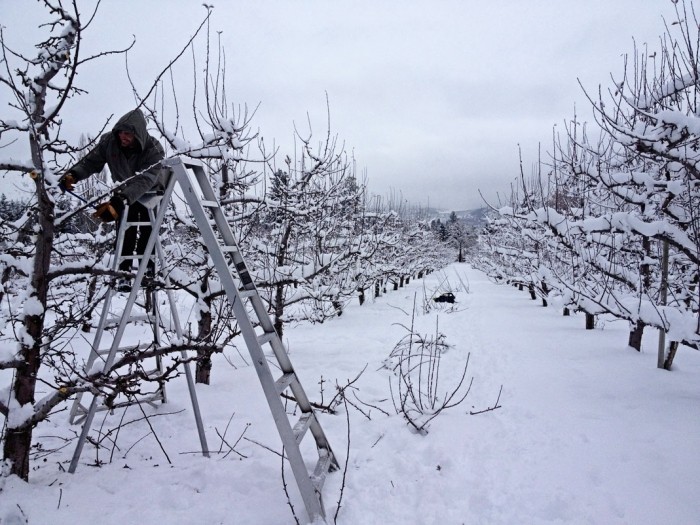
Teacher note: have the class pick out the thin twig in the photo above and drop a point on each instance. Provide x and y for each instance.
(148, 420)
(494, 407)
(347, 461)
(286, 492)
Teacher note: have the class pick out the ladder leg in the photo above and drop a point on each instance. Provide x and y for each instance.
(77, 407)
(83, 435)
(152, 249)
(188, 370)
(195, 406)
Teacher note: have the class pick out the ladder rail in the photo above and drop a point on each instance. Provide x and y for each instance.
(95, 352)
(309, 484)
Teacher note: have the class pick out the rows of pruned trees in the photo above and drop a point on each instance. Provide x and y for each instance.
(313, 237)
(610, 224)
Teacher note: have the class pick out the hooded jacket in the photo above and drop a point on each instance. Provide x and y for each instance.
(141, 161)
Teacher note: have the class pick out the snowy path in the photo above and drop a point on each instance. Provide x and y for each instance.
(588, 432)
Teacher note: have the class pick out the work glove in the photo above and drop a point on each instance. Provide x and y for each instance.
(67, 182)
(110, 211)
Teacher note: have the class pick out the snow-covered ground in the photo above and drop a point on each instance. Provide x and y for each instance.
(588, 430)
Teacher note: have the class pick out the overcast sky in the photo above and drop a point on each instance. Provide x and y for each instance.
(432, 98)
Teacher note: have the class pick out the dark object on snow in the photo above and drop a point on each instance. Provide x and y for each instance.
(448, 297)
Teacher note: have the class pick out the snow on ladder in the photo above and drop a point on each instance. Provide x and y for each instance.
(105, 357)
(239, 288)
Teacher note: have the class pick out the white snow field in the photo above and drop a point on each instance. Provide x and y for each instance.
(588, 431)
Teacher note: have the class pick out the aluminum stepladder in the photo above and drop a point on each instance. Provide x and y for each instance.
(247, 304)
(106, 356)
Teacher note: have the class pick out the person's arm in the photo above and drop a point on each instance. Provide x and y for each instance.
(91, 163)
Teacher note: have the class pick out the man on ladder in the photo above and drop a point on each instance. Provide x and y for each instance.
(128, 149)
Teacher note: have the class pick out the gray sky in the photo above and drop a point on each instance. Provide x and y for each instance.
(432, 98)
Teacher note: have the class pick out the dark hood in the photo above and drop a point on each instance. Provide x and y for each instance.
(135, 122)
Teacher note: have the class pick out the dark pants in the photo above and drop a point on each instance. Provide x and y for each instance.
(136, 237)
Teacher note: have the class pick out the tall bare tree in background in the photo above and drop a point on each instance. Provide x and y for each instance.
(307, 241)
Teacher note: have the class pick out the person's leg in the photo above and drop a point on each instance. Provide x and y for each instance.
(144, 232)
(130, 236)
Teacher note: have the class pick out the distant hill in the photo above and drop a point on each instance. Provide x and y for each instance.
(475, 217)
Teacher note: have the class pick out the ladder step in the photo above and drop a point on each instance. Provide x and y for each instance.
(114, 321)
(323, 467)
(78, 414)
(229, 249)
(302, 426)
(150, 399)
(138, 223)
(132, 348)
(151, 199)
(266, 337)
(81, 412)
(247, 293)
(209, 204)
(284, 381)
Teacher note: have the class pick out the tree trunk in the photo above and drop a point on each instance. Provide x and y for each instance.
(672, 349)
(337, 306)
(566, 312)
(18, 442)
(361, 296)
(531, 289)
(278, 300)
(203, 369)
(376, 289)
(225, 183)
(590, 321)
(635, 338)
(3, 279)
(204, 364)
(545, 293)
(92, 287)
(278, 309)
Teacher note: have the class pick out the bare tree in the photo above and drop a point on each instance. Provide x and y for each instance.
(307, 243)
(617, 199)
(39, 86)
